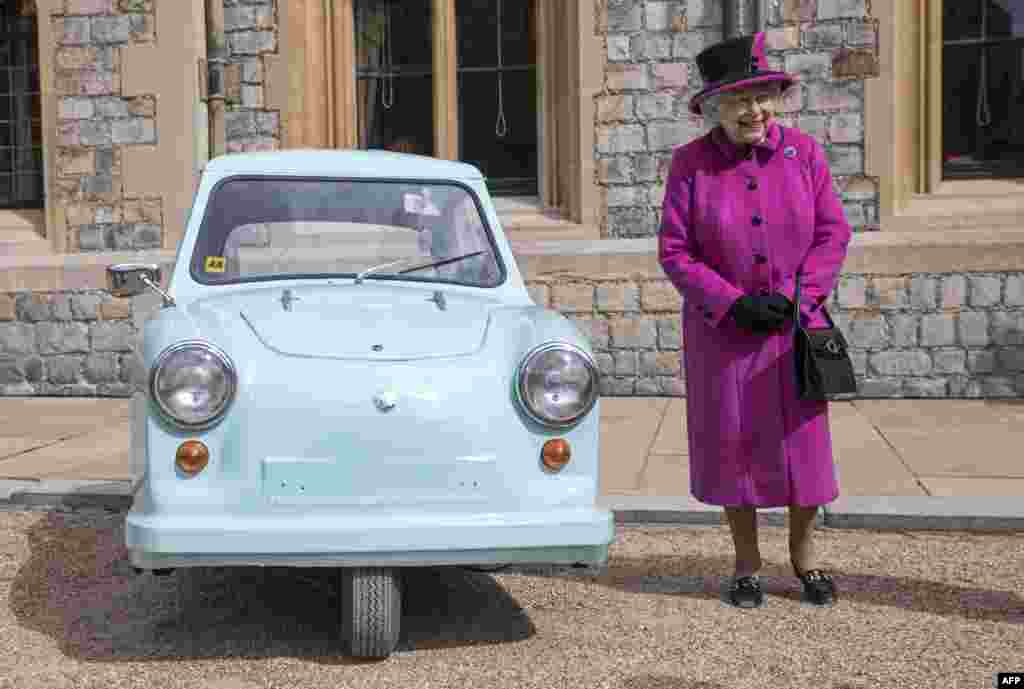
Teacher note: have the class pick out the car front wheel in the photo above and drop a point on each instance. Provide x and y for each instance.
(371, 610)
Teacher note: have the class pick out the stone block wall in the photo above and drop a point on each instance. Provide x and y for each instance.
(96, 122)
(642, 113)
(79, 343)
(913, 335)
(250, 32)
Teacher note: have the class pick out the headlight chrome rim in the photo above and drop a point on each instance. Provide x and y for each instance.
(521, 392)
(231, 376)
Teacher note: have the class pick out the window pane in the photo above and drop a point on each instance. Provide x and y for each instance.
(408, 125)
(982, 114)
(396, 33)
(508, 162)
(394, 68)
(1005, 18)
(477, 32)
(28, 189)
(961, 19)
(477, 28)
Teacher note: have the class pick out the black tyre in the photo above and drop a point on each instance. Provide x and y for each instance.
(371, 610)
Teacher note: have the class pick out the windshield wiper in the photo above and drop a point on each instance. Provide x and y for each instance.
(442, 262)
(359, 278)
(434, 264)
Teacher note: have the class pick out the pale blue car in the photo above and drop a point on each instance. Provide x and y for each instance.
(348, 371)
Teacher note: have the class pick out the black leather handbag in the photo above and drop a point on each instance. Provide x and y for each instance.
(824, 369)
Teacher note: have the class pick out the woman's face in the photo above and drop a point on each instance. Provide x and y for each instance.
(746, 113)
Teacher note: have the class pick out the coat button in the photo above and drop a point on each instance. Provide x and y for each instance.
(752, 184)
(756, 220)
(758, 258)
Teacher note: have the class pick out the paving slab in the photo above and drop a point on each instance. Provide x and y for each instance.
(865, 463)
(11, 446)
(633, 407)
(938, 413)
(103, 453)
(671, 438)
(665, 475)
(945, 486)
(956, 438)
(626, 440)
(48, 419)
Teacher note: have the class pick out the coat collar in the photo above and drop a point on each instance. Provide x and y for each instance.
(734, 152)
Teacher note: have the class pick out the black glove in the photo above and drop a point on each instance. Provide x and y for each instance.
(761, 314)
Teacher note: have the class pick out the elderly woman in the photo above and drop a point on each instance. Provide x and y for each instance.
(747, 208)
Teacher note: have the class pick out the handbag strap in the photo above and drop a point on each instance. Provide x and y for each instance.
(796, 303)
(796, 307)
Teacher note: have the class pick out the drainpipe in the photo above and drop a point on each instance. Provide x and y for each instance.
(216, 54)
(742, 17)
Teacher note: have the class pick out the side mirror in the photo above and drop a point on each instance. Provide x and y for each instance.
(132, 279)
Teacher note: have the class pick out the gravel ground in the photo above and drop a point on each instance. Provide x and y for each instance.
(917, 610)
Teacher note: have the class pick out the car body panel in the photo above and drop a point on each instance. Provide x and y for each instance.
(370, 425)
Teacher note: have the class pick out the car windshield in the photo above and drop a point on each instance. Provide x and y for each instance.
(274, 228)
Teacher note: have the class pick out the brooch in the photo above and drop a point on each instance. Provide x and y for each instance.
(789, 151)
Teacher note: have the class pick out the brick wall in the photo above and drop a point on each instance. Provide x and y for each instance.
(96, 122)
(642, 112)
(250, 28)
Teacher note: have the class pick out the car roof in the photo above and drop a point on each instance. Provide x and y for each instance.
(342, 163)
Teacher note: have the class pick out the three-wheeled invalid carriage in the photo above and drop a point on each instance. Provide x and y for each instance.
(347, 371)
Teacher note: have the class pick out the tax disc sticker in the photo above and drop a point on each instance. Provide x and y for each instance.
(215, 264)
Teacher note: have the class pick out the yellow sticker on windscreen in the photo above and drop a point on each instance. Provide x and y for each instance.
(215, 264)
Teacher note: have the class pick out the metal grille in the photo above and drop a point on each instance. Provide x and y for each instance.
(21, 151)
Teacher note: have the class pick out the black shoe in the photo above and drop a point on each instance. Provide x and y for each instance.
(745, 592)
(819, 588)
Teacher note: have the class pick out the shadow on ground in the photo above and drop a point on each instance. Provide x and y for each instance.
(701, 577)
(78, 588)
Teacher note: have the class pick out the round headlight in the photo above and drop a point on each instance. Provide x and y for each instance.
(557, 384)
(193, 383)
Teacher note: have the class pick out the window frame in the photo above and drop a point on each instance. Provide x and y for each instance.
(312, 81)
(903, 134)
(986, 169)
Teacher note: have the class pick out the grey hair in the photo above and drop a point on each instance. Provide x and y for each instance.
(711, 107)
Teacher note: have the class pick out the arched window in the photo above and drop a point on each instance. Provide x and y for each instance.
(21, 132)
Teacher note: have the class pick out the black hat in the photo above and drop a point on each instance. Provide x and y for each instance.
(735, 64)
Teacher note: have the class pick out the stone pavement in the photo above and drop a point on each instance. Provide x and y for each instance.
(902, 463)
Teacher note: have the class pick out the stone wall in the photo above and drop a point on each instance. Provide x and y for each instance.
(96, 122)
(652, 73)
(250, 28)
(915, 335)
(80, 343)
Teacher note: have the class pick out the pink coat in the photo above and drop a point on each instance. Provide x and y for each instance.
(733, 226)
